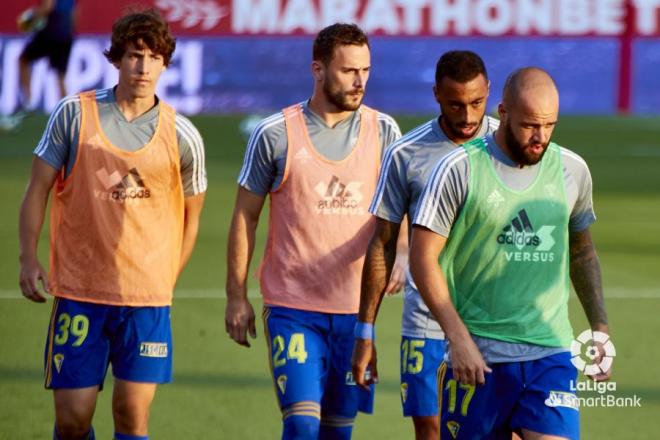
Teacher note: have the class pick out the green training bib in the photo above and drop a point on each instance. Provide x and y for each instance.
(506, 257)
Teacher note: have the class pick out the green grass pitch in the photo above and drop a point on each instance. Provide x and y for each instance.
(223, 391)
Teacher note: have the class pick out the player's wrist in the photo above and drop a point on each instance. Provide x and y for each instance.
(364, 330)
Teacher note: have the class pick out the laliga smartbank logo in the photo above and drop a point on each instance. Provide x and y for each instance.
(592, 353)
(585, 352)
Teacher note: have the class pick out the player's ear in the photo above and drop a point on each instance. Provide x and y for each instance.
(501, 111)
(436, 93)
(317, 70)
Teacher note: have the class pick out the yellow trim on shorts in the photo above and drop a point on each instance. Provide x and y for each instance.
(269, 343)
(49, 342)
(442, 370)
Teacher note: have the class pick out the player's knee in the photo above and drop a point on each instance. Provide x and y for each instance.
(130, 417)
(300, 427)
(73, 430)
(426, 428)
(73, 423)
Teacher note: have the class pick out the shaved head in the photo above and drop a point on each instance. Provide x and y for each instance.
(528, 114)
(529, 83)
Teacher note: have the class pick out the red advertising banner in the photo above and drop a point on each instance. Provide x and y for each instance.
(380, 17)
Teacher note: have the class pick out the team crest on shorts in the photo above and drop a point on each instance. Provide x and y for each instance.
(404, 392)
(153, 349)
(58, 359)
(562, 398)
(453, 428)
(281, 383)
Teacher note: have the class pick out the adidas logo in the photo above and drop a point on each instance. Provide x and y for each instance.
(119, 188)
(495, 199)
(302, 154)
(131, 180)
(520, 232)
(339, 198)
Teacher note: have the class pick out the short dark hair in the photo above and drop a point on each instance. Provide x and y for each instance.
(459, 65)
(338, 34)
(141, 28)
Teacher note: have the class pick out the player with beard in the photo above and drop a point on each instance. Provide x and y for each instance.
(319, 162)
(507, 218)
(461, 88)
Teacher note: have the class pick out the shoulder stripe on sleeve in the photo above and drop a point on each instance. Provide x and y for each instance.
(493, 124)
(191, 135)
(43, 142)
(258, 131)
(568, 153)
(431, 196)
(389, 120)
(402, 142)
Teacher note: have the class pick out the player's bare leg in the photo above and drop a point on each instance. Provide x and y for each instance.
(24, 71)
(74, 409)
(131, 402)
(531, 435)
(426, 428)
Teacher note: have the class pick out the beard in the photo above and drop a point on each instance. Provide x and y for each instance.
(343, 100)
(522, 153)
(455, 129)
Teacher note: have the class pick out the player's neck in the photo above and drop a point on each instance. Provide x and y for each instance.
(502, 145)
(327, 111)
(133, 107)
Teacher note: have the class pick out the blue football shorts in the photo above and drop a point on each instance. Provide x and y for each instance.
(534, 395)
(420, 360)
(84, 338)
(310, 359)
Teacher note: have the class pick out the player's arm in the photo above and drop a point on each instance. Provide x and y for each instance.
(398, 274)
(239, 314)
(378, 265)
(192, 157)
(45, 7)
(192, 211)
(467, 362)
(31, 219)
(587, 281)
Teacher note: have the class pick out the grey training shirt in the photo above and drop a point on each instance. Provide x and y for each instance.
(451, 175)
(407, 166)
(59, 144)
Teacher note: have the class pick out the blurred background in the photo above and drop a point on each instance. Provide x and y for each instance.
(237, 59)
(254, 55)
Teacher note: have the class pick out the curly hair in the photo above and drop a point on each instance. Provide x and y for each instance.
(460, 65)
(338, 34)
(141, 28)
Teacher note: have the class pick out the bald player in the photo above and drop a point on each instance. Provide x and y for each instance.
(502, 225)
(461, 89)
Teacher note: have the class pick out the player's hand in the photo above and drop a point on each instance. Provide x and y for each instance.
(239, 320)
(468, 365)
(398, 276)
(365, 369)
(32, 274)
(603, 375)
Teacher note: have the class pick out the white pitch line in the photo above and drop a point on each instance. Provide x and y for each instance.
(614, 292)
